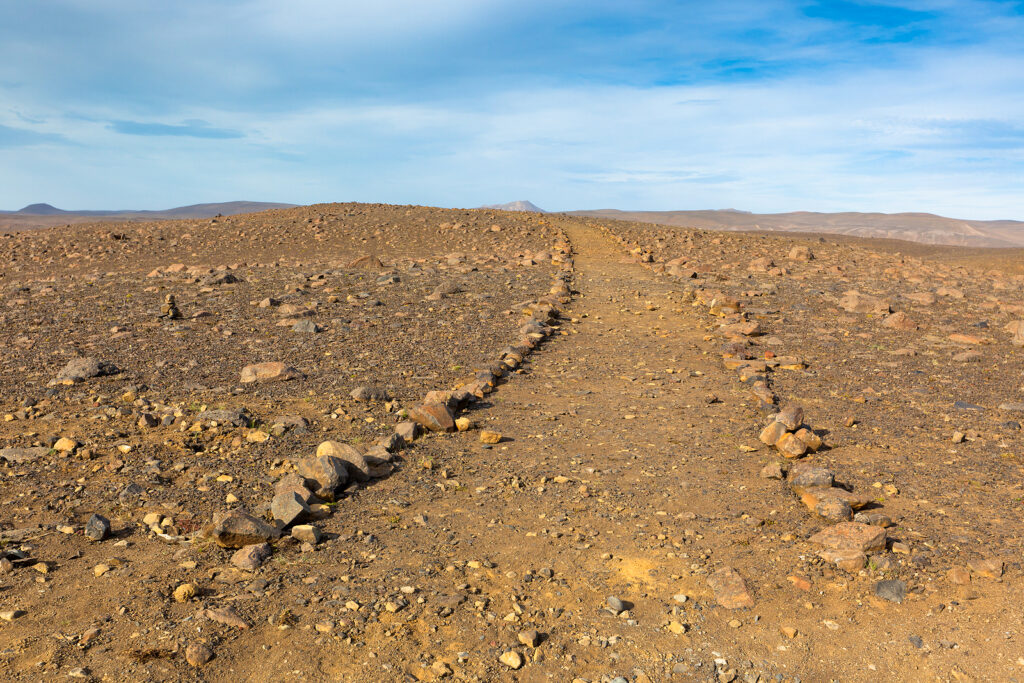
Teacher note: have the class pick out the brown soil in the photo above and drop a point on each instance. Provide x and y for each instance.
(630, 464)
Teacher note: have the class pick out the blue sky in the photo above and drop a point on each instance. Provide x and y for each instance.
(764, 105)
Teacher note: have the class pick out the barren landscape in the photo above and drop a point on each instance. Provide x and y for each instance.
(371, 443)
(925, 228)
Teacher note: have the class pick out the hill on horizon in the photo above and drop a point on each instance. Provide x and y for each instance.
(520, 205)
(190, 211)
(924, 228)
(41, 215)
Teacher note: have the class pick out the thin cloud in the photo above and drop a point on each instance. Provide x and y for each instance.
(189, 129)
(23, 137)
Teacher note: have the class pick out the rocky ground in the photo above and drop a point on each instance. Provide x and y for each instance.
(364, 442)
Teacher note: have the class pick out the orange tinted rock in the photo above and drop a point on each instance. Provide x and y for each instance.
(851, 536)
(790, 446)
(771, 434)
(434, 417)
(730, 589)
(268, 372)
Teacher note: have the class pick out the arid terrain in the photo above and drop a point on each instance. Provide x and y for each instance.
(46, 215)
(392, 443)
(925, 228)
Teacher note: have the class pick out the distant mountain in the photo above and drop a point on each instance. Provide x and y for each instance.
(521, 205)
(192, 211)
(40, 210)
(925, 228)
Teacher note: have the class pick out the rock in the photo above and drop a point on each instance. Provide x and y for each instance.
(814, 495)
(392, 443)
(959, 576)
(990, 568)
(235, 418)
(800, 253)
(1018, 333)
(269, 372)
(511, 659)
(295, 483)
(790, 446)
(65, 445)
(463, 424)
(490, 437)
(228, 616)
(307, 533)
(97, 528)
(772, 470)
(289, 508)
(805, 475)
(848, 560)
(184, 592)
(791, 415)
(355, 463)
(892, 590)
(20, 456)
(325, 474)
(306, 326)
(873, 518)
(834, 510)
(899, 321)
(811, 440)
(851, 536)
(408, 430)
(615, 605)
(236, 529)
(434, 417)
(529, 638)
(81, 369)
(730, 589)
(197, 654)
(855, 302)
(370, 394)
(251, 557)
(771, 434)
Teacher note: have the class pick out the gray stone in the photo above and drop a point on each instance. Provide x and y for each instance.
(306, 326)
(615, 605)
(803, 475)
(19, 456)
(97, 528)
(288, 508)
(892, 590)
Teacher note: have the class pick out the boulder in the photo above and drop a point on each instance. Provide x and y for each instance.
(269, 372)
